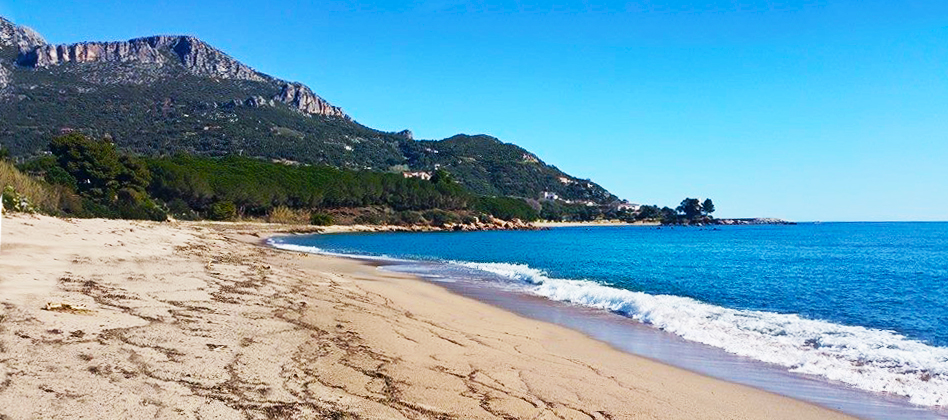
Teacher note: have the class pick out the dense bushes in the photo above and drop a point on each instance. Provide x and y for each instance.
(222, 211)
(255, 186)
(24, 193)
(320, 219)
(507, 208)
(99, 181)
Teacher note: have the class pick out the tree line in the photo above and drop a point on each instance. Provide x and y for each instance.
(105, 182)
(690, 211)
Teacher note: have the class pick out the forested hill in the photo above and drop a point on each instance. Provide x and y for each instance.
(166, 94)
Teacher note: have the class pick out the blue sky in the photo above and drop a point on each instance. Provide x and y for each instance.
(812, 110)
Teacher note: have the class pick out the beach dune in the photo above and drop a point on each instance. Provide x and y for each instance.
(120, 319)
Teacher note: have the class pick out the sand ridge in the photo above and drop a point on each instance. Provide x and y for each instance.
(197, 320)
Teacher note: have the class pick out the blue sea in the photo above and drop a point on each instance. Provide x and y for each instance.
(860, 304)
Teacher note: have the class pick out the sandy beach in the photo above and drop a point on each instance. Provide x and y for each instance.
(120, 319)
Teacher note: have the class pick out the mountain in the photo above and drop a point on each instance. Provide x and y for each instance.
(170, 94)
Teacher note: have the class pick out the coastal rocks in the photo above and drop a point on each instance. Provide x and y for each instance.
(491, 224)
(302, 98)
(753, 221)
(19, 37)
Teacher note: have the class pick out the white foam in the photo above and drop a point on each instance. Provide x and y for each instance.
(870, 359)
(319, 251)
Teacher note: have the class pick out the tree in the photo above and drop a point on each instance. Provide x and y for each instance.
(94, 164)
(441, 176)
(707, 207)
(690, 207)
(4, 153)
(648, 212)
(669, 215)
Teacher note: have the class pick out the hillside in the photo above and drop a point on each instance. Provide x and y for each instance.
(167, 94)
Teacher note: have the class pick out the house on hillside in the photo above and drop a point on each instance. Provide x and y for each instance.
(625, 205)
(419, 174)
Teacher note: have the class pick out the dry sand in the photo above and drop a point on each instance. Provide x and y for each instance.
(189, 320)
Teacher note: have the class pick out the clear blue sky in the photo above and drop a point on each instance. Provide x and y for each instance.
(814, 110)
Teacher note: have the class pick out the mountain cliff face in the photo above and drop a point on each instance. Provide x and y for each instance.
(189, 53)
(193, 54)
(19, 37)
(170, 94)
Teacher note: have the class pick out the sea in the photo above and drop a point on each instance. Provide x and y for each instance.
(852, 316)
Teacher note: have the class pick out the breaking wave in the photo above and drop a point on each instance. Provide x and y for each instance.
(865, 358)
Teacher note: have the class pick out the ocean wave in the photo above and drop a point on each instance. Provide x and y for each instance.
(319, 251)
(865, 358)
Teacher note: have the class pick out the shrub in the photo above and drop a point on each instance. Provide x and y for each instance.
(409, 218)
(441, 217)
(321, 219)
(17, 186)
(180, 210)
(288, 216)
(507, 208)
(222, 210)
(133, 204)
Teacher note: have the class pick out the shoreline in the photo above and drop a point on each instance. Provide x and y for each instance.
(633, 337)
(604, 223)
(197, 320)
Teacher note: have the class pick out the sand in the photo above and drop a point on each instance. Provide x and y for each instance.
(192, 320)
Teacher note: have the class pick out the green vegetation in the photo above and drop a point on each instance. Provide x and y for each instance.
(91, 178)
(254, 186)
(104, 182)
(507, 208)
(573, 212)
(690, 208)
(109, 183)
(321, 219)
(23, 193)
(707, 207)
(168, 111)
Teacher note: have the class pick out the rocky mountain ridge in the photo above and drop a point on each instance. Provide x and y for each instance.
(163, 95)
(193, 55)
(19, 37)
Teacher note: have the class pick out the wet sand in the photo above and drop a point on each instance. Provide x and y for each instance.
(197, 320)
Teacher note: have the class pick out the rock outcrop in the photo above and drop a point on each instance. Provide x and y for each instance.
(406, 134)
(303, 99)
(753, 221)
(156, 52)
(4, 77)
(194, 55)
(20, 37)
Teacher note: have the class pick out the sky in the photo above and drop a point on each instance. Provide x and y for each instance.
(805, 110)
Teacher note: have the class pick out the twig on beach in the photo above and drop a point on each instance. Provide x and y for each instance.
(66, 307)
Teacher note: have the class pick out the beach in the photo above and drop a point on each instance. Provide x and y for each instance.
(124, 319)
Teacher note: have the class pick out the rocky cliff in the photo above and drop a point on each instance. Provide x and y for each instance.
(301, 97)
(146, 55)
(164, 95)
(19, 37)
(194, 55)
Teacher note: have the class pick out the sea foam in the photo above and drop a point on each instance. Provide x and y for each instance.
(869, 359)
(865, 358)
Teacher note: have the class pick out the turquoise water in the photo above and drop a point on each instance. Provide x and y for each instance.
(865, 304)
